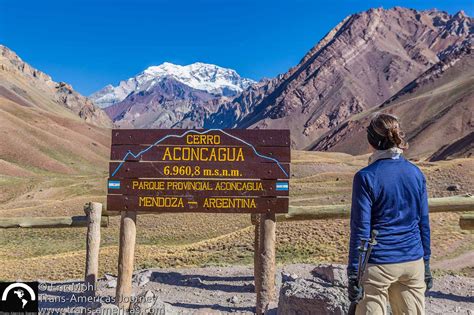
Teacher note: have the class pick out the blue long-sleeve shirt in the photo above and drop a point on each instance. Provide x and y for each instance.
(390, 196)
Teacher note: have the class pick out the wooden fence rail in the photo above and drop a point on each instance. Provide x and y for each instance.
(445, 204)
(463, 203)
(48, 222)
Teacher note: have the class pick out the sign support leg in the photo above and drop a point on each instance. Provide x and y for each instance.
(256, 253)
(93, 211)
(126, 258)
(267, 293)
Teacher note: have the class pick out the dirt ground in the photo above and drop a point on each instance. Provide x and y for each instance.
(222, 290)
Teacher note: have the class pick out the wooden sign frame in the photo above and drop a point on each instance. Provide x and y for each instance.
(202, 170)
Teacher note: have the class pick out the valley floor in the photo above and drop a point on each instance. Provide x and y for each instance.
(197, 240)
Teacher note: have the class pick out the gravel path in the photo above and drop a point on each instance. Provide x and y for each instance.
(222, 290)
(463, 261)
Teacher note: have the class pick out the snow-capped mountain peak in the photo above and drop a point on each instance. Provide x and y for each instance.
(200, 76)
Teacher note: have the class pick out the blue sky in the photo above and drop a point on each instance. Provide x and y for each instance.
(92, 43)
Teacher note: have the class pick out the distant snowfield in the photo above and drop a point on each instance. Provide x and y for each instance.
(200, 76)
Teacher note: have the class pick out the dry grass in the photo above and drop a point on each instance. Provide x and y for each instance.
(181, 240)
(310, 242)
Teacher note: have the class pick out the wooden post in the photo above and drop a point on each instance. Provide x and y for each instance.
(128, 233)
(93, 212)
(466, 221)
(256, 253)
(267, 293)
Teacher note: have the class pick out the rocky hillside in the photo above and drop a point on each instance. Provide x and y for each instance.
(52, 94)
(163, 105)
(374, 57)
(437, 111)
(362, 62)
(301, 289)
(47, 127)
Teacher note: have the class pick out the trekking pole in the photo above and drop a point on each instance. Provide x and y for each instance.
(372, 243)
(363, 261)
(362, 250)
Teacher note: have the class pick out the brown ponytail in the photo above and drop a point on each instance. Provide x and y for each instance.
(384, 132)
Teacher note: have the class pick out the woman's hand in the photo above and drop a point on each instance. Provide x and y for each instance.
(355, 292)
(428, 276)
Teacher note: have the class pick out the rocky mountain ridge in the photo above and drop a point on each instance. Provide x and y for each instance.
(163, 105)
(362, 62)
(47, 128)
(367, 59)
(61, 93)
(436, 110)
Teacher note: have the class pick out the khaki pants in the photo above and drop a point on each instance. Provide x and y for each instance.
(403, 285)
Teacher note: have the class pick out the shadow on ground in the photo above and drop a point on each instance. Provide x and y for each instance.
(205, 282)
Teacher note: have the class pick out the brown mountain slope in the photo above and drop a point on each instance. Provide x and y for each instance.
(27, 86)
(436, 110)
(463, 147)
(164, 105)
(363, 61)
(46, 127)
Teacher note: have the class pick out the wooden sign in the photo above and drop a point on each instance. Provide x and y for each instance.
(213, 170)
(253, 137)
(198, 187)
(198, 204)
